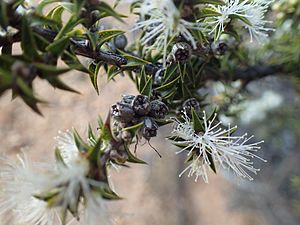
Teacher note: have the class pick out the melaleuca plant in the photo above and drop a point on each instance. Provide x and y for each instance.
(183, 48)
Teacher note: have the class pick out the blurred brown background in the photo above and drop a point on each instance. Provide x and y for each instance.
(154, 194)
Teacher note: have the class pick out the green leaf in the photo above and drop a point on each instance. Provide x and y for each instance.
(49, 70)
(94, 71)
(133, 61)
(79, 4)
(147, 89)
(56, 15)
(106, 35)
(112, 72)
(28, 43)
(197, 122)
(213, 2)
(71, 23)
(209, 12)
(3, 15)
(106, 133)
(163, 122)
(93, 38)
(107, 10)
(108, 194)
(243, 19)
(57, 83)
(73, 62)
(132, 158)
(81, 145)
(42, 4)
(91, 134)
(212, 163)
(133, 129)
(168, 86)
(58, 46)
(58, 157)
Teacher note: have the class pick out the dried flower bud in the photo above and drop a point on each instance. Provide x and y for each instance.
(189, 104)
(158, 109)
(181, 51)
(120, 41)
(149, 128)
(141, 105)
(122, 112)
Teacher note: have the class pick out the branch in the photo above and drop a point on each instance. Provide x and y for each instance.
(249, 74)
(256, 72)
(81, 48)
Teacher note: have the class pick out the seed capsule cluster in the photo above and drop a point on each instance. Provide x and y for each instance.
(132, 110)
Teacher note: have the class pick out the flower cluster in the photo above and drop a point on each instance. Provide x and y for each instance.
(250, 13)
(44, 193)
(161, 21)
(213, 146)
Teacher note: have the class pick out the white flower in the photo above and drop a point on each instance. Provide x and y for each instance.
(253, 11)
(230, 7)
(20, 181)
(95, 211)
(163, 21)
(216, 144)
(198, 168)
(67, 146)
(73, 180)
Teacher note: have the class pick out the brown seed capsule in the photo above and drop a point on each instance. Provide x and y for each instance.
(122, 112)
(181, 51)
(149, 128)
(127, 99)
(158, 109)
(141, 105)
(189, 104)
(222, 48)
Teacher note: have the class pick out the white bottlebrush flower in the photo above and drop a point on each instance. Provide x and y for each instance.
(253, 11)
(230, 8)
(67, 146)
(20, 181)
(216, 144)
(73, 180)
(255, 14)
(162, 22)
(197, 168)
(95, 211)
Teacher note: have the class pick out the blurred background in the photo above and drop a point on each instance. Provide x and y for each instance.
(154, 194)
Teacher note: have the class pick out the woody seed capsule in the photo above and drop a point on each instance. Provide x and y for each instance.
(181, 51)
(189, 104)
(149, 128)
(158, 109)
(141, 105)
(122, 112)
